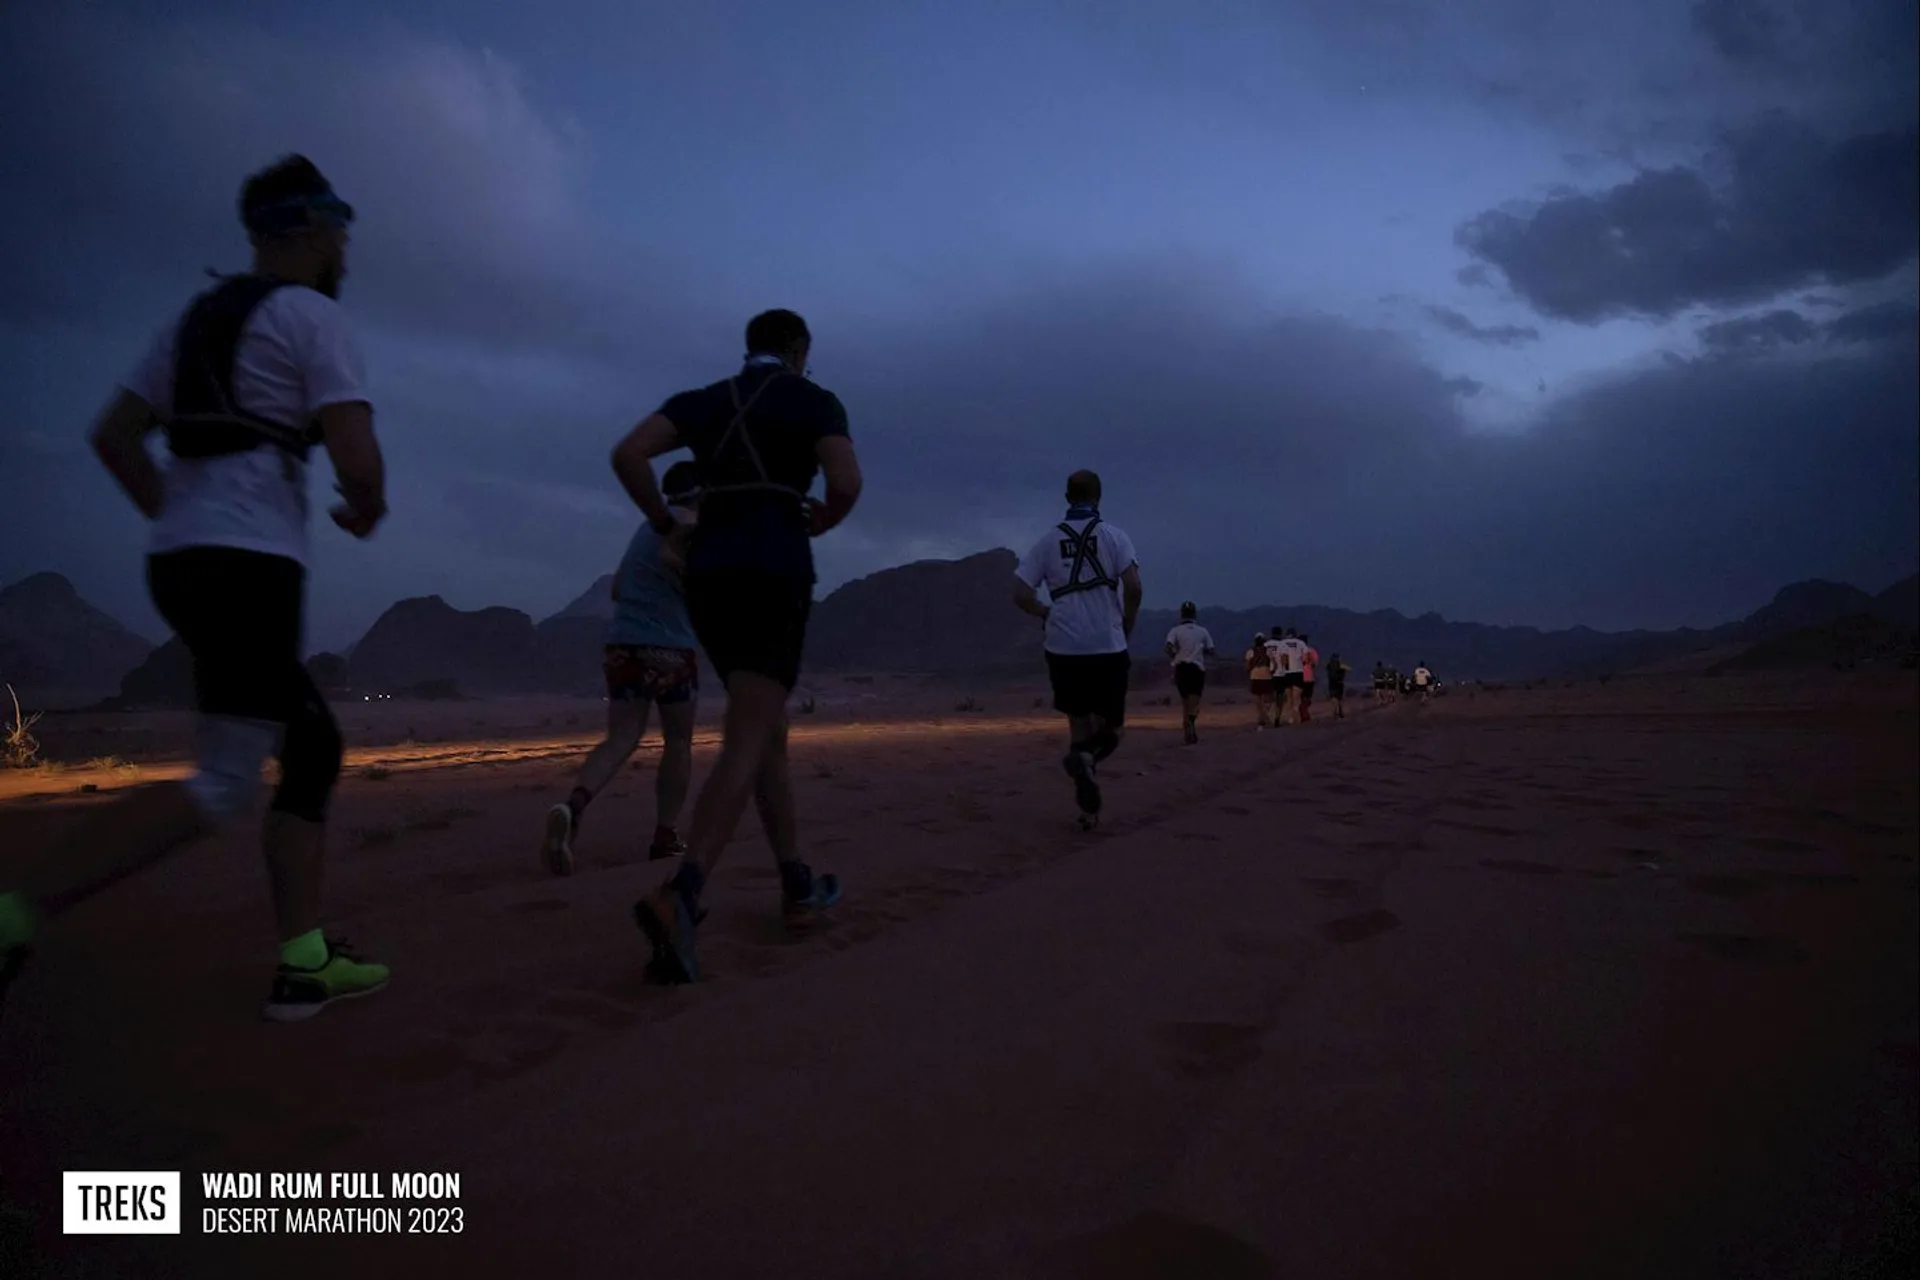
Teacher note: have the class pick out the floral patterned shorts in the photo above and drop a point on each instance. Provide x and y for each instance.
(648, 673)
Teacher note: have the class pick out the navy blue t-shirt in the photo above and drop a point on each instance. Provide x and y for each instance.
(788, 417)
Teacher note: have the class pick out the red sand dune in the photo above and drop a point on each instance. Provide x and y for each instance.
(1580, 981)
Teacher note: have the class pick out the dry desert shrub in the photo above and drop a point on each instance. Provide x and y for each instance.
(19, 749)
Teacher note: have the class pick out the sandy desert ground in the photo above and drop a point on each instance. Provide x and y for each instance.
(1573, 981)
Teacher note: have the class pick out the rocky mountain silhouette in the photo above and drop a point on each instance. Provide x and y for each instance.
(55, 648)
(948, 617)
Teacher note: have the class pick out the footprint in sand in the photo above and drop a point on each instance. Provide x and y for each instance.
(1775, 844)
(1520, 866)
(1746, 948)
(1236, 810)
(1818, 879)
(1154, 1244)
(420, 1066)
(1212, 1048)
(1724, 886)
(1258, 945)
(1861, 825)
(458, 881)
(1358, 928)
(1331, 886)
(539, 906)
(590, 1009)
(1482, 828)
(1638, 853)
(1376, 846)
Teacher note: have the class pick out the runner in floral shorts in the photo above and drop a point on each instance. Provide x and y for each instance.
(649, 661)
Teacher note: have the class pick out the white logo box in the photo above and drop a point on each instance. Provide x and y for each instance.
(120, 1203)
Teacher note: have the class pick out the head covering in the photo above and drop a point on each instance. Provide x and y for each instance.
(317, 206)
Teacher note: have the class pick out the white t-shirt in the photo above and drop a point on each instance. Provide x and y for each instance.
(1294, 654)
(297, 355)
(1082, 622)
(1191, 644)
(1421, 676)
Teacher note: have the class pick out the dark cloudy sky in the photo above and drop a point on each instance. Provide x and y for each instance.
(1521, 310)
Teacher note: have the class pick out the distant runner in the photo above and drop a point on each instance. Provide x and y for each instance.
(1337, 685)
(1278, 659)
(1379, 682)
(1423, 681)
(1292, 677)
(649, 660)
(256, 372)
(759, 438)
(1309, 668)
(1259, 664)
(1189, 645)
(1092, 576)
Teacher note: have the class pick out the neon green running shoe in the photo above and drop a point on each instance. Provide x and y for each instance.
(300, 993)
(18, 923)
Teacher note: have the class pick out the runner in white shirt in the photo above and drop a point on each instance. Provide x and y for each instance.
(1189, 645)
(1092, 578)
(256, 375)
(1289, 675)
(1423, 681)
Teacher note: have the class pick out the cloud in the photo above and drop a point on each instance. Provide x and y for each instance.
(474, 222)
(1758, 333)
(1738, 30)
(1502, 335)
(1793, 209)
(1883, 322)
(1465, 387)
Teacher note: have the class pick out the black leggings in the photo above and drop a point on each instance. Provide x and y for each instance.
(239, 615)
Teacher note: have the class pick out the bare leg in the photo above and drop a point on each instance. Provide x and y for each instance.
(296, 868)
(676, 763)
(773, 798)
(626, 722)
(756, 716)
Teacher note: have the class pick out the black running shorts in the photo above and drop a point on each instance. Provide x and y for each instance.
(1091, 684)
(1190, 678)
(239, 615)
(751, 620)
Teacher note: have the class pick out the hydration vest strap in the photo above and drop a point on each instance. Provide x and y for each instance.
(204, 421)
(1086, 552)
(766, 483)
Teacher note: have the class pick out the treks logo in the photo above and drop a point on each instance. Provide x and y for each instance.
(120, 1204)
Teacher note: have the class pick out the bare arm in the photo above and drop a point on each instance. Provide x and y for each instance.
(358, 468)
(119, 441)
(1027, 600)
(1131, 593)
(841, 468)
(633, 464)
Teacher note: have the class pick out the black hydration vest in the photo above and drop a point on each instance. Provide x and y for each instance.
(204, 421)
(1084, 549)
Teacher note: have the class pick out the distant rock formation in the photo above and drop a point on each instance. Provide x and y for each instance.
(932, 615)
(595, 602)
(493, 650)
(57, 648)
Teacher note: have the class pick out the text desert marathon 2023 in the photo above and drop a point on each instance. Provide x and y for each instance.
(330, 1186)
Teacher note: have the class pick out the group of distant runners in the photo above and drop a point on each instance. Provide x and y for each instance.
(264, 366)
